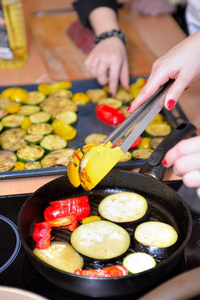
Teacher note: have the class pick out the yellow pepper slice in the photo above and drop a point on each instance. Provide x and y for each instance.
(145, 143)
(66, 131)
(26, 123)
(80, 98)
(15, 94)
(12, 109)
(90, 219)
(19, 166)
(47, 89)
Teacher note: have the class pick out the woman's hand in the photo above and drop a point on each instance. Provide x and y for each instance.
(185, 159)
(181, 63)
(108, 63)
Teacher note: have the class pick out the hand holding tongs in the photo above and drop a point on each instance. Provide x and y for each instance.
(91, 165)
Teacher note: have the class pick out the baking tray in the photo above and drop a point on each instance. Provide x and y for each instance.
(88, 123)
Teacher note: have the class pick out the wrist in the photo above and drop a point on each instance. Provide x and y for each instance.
(110, 33)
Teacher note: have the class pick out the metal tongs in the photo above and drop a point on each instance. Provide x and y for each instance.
(96, 162)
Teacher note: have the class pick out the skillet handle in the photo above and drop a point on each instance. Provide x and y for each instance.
(153, 166)
(182, 287)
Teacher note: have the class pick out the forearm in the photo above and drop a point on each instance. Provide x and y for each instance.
(103, 19)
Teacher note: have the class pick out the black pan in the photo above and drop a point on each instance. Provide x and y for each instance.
(165, 205)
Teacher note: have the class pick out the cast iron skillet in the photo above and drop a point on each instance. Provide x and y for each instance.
(165, 205)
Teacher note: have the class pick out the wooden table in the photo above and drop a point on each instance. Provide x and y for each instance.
(53, 56)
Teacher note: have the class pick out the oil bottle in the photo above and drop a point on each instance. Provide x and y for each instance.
(13, 43)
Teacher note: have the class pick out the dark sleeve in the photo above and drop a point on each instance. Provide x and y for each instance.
(84, 8)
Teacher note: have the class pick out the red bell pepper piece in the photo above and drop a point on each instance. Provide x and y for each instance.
(42, 230)
(114, 271)
(134, 145)
(79, 207)
(109, 115)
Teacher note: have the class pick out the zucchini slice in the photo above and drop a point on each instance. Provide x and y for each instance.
(53, 142)
(32, 165)
(1, 126)
(62, 93)
(7, 160)
(68, 117)
(58, 104)
(127, 156)
(100, 240)
(111, 102)
(42, 128)
(158, 129)
(138, 262)
(12, 121)
(13, 139)
(57, 157)
(96, 94)
(141, 153)
(33, 139)
(124, 96)
(60, 255)
(156, 238)
(27, 110)
(34, 98)
(40, 117)
(30, 153)
(123, 208)
(95, 138)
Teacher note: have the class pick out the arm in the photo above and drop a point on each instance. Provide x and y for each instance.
(180, 63)
(108, 60)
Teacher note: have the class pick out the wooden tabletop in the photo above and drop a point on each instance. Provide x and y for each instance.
(53, 56)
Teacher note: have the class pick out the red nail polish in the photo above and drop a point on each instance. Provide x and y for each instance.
(170, 104)
(186, 88)
(128, 109)
(164, 162)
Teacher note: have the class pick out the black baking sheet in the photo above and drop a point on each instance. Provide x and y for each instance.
(88, 123)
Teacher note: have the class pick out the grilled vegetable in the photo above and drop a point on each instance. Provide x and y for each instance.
(96, 94)
(32, 165)
(156, 238)
(145, 143)
(57, 104)
(80, 98)
(62, 93)
(33, 139)
(95, 138)
(26, 123)
(124, 96)
(60, 255)
(13, 139)
(111, 102)
(43, 128)
(19, 166)
(15, 94)
(47, 89)
(155, 142)
(109, 115)
(12, 121)
(40, 117)
(7, 160)
(64, 130)
(30, 153)
(91, 219)
(78, 206)
(114, 271)
(53, 142)
(42, 230)
(123, 208)
(138, 262)
(1, 126)
(100, 240)
(27, 110)
(141, 153)
(57, 157)
(68, 117)
(127, 156)
(158, 129)
(34, 98)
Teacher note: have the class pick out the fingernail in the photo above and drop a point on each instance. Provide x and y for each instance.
(186, 88)
(164, 162)
(128, 109)
(170, 104)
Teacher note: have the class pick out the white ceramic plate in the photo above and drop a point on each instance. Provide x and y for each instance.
(10, 293)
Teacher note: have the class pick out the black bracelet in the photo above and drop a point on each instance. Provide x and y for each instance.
(115, 32)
